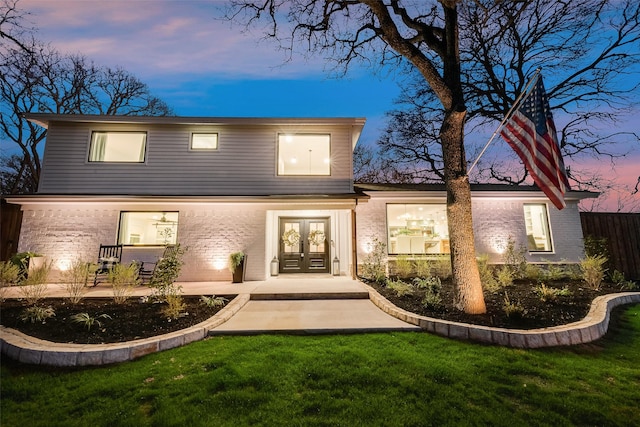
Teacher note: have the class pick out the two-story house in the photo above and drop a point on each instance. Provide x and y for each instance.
(281, 190)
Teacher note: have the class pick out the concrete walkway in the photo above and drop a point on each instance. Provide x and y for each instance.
(304, 303)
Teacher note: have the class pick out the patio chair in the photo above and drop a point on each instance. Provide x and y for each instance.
(108, 256)
(146, 268)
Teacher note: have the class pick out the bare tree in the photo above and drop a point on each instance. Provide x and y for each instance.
(35, 77)
(588, 51)
(389, 32)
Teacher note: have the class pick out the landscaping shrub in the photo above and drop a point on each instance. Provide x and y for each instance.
(515, 259)
(8, 276)
(442, 267)
(514, 310)
(374, 266)
(34, 287)
(175, 306)
(489, 282)
(593, 270)
(123, 279)
(75, 279)
(87, 320)
(403, 266)
(213, 301)
(505, 276)
(165, 274)
(400, 288)
(549, 294)
(37, 314)
(422, 267)
(533, 272)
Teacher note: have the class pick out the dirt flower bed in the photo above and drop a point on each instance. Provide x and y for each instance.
(132, 320)
(534, 312)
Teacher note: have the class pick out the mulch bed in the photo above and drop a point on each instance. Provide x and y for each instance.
(129, 321)
(538, 314)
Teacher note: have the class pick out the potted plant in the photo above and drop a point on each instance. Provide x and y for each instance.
(237, 263)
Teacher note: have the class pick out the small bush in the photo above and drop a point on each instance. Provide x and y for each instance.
(75, 279)
(123, 279)
(593, 270)
(431, 283)
(514, 310)
(38, 314)
(554, 272)
(165, 274)
(175, 307)
(549, 294)
(441, 267)
(400, 288)
(34, 287)
(432, 301)
(8, 276)
(629, 285)
(533, 272)
(515, 259)
(432, 288)
(374, 266)
(487, 279)
(403, 266)
(617, 277)
(88, 320)
(422, 267)
(505, 276)
(213, 301)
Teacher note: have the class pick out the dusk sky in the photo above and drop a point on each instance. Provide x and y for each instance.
(202, 66)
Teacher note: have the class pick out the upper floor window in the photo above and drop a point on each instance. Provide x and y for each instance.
(304, 154)
(536, 221)
(204, 141)
(148, 228)
(118, 147)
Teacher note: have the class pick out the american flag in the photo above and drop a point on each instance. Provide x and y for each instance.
(530, 131)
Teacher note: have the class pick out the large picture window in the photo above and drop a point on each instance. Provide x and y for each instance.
(304, 154)
(536, 221)
(126, 147)
(148, 228)
(414, 229)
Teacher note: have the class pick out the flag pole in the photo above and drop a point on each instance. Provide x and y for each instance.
(523, 94)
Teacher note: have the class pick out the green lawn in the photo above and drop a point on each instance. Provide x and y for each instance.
(390, 379)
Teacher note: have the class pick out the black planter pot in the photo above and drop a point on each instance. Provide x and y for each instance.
(238, 273)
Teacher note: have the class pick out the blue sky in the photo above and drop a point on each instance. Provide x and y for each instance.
(202, 66)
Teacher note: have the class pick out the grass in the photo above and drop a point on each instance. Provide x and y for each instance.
(371, 379)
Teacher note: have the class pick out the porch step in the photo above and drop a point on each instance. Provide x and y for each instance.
(334, 295)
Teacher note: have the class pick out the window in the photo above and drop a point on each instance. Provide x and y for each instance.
(417, 229)
(536, 221)
(204, 141)
(304, 154)
(148, 228)
(117, 147)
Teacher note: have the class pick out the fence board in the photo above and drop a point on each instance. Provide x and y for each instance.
(10, 222)
(622, 233)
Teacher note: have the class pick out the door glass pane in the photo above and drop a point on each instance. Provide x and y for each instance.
(317, 237)
(291, 237)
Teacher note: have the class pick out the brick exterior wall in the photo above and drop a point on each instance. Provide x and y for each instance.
(68, 232)
(494, 222)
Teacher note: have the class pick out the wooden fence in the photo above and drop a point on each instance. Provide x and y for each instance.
(622, 234)
(10, 222)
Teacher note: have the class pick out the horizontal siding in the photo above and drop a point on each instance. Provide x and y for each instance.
(244, 164)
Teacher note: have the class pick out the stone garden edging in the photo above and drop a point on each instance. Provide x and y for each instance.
(592, 327)
(27, 349)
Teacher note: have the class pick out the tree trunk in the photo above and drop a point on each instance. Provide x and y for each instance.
(464, 267)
